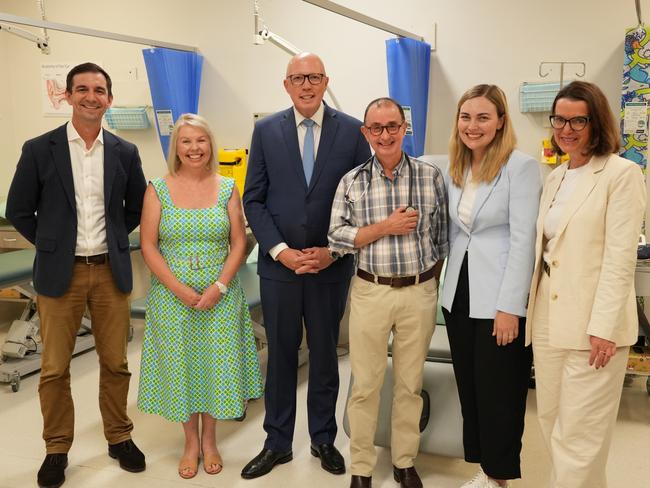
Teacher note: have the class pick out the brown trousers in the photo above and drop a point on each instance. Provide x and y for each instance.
(92, 286)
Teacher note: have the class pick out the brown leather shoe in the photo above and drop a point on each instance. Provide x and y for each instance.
(407, 477)
(361, 481)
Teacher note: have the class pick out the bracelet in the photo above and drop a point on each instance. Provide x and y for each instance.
(222, 288)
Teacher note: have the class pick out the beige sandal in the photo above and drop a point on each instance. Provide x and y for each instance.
(212, 463)
(188, 469)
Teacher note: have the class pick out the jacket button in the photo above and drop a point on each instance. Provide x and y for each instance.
(554, 296)
(555, 264)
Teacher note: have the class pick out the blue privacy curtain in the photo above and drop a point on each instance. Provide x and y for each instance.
(175, 81)
(408, 63)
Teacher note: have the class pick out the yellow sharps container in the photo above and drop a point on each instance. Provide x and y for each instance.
(232, 163)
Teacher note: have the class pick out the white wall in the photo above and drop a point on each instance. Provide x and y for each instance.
(496, 41)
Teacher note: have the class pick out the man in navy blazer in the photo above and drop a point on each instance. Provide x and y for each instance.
(76, 194)
(297, 158)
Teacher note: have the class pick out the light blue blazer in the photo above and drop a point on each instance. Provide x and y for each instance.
(500, 240)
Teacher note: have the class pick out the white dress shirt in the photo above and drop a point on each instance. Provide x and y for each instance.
(88, 176)
(302, 130)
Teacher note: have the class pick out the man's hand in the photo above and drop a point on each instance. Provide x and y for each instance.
(401, 222)
(291, 258)
(313, 260)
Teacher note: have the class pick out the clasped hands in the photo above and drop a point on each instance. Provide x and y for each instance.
(199, 301)
(309, 260)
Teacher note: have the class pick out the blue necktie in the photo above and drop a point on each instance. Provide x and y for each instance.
(308, 150)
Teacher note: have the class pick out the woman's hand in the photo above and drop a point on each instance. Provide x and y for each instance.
(602, 351)
(506, 328)
(187, 295)
(211, 296)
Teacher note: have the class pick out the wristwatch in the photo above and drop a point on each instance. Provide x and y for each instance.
(333, 254)
(222, 288)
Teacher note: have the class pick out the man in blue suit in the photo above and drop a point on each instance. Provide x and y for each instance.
(296, 160)
(76, 194)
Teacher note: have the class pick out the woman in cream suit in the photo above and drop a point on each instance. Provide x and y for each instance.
(582, 312)
(493, 202)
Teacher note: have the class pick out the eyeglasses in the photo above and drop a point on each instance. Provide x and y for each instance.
(576, 123)
(314, 79)
(377, 130)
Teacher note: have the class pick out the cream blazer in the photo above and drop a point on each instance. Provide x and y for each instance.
(592, 266)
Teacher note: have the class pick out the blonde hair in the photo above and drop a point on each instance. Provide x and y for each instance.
(498, 151)
(194, 120)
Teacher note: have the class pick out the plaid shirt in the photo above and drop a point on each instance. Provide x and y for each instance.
(369, 202)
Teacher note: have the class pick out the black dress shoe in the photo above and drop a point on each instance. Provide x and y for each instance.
(130, 457)
(264, 462)
(330, 458)
(407, 477)
(361, 481)
(52, 472)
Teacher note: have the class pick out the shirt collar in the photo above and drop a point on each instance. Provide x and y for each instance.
(396, 171)
(73, 135)
(317, 117)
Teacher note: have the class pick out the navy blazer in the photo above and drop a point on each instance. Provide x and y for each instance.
(41, 205)
(279, 205)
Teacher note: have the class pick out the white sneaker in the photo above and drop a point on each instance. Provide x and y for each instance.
(481, 480)
(478, 481)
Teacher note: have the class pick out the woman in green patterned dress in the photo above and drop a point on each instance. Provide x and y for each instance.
(199, 361)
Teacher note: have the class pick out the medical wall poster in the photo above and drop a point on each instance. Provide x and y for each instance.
(636, 90)
(408, 115)
(635, 118)
(165, 122)
(53, 89)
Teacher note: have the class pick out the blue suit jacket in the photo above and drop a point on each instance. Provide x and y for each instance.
(500, 242)
(279, 205)
(41, 205)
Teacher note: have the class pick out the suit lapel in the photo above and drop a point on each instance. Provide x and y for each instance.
(327, 135)
(550, 189)
(455, 194)
(111, 160)
(291, 143)
(482, 193)
(584, 187)
(62, 162)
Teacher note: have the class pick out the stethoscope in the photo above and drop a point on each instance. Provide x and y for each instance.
(367, 168)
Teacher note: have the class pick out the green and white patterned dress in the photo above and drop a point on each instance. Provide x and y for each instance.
(194, 360)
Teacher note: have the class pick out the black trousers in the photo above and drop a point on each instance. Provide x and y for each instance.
(492, 385)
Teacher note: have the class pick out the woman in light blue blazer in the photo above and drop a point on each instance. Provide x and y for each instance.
(494, 195)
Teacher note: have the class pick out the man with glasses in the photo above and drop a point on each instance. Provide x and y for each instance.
(392, 213)
(296, 160)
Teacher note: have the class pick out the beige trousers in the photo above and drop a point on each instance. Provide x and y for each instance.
(576, 404)
(375, 311)
(92, 286)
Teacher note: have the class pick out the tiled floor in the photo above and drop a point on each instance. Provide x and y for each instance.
(21, 447)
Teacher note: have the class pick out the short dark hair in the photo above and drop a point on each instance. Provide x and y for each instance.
(380, 101)
(88, 68)
(605, 132)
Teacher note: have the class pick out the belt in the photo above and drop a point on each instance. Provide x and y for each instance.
(395, 281)
(96, 259)
(547, 268)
